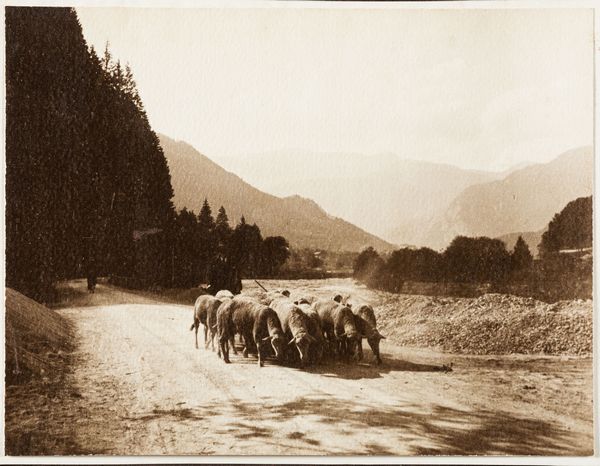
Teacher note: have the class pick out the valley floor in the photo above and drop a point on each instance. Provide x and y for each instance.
(139, 387)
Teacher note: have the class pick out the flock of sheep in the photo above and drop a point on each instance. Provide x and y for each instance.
(296, 332)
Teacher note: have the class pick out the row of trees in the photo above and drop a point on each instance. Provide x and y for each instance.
(465, 260)
(88, 189)
(486, 260)
(83, 167)
(205, 245)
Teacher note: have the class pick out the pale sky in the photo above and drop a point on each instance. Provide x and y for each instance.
(483, 89)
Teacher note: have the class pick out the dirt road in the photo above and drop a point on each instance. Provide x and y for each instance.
(141, 388)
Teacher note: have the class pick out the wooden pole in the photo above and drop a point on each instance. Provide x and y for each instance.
(266, 291)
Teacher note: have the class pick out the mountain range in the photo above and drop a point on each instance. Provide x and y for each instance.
(385, 195)
(317, 199)
(524, 201)
(301, 221)
(417, 203)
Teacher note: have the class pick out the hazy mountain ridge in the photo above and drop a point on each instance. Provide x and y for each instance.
(525, 200)
(302, 221)
(394, 198)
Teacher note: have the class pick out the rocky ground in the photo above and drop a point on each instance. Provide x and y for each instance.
(490, 324)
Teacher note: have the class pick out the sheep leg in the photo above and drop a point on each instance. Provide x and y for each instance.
(205, 335)
(374, 344)
(245, 343)
(260, 356)
(232, 341)
(212, 340)
(196, 325)
(224, 349)
(359, 350)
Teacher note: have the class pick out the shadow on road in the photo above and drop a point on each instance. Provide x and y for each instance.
(370, 370)
(445, 430)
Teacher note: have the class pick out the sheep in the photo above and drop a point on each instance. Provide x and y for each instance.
(366, 324)
(225, 330)
(304, 299)
(339, 327)
(224, 294)
(255, 322)
(267, 327)
(295, 326)
(315, 329)
(204, 305)
(275, 294)
(211, 317)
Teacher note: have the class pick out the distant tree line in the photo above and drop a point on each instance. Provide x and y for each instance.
(485, 260)
(465, 260)
(87, 184)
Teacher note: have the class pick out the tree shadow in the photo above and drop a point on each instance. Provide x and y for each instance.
(413, 429)
(439, 431)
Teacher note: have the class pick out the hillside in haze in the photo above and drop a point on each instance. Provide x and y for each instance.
(301, 221)
(393, 198)
(525, 200)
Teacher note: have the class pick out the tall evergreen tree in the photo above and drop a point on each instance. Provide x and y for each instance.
(205, 218)
(84, 169)
(186, 249)
(207, 241)
(223, 232)
(521, 257)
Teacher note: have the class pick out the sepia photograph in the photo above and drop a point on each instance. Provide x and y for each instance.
(316, 229)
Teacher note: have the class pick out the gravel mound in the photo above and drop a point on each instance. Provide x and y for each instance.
(37, 339)
(491, 324)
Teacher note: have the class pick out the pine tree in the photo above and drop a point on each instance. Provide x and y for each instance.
(521, 258)
(206, 241)
(222, 232)
(205, 218)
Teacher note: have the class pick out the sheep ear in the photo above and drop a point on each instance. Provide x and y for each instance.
(380, 335)
(349, 305)
(292, 341)
(266, 338)
(296, 302)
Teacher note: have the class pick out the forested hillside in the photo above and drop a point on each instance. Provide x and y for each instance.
(84, 170)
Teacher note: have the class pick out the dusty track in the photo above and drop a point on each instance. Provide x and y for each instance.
(141, 388)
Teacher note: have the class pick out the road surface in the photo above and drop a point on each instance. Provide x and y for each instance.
(139, 387)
